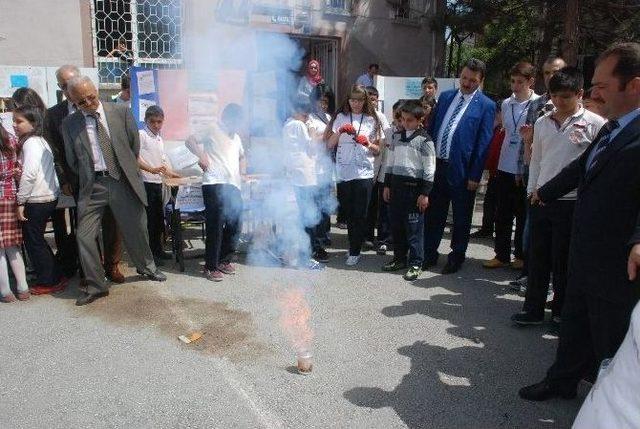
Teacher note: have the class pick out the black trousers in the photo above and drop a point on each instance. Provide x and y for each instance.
(384, 219)
(341, 215)
(310, 216)
(489, 206)
(548, 253)
(510, 205)
(592, 330)
(324, 201)
(407, 225)
(356, 194)
(461, 200)
(222, 211)
(47, 270)
(155, 217)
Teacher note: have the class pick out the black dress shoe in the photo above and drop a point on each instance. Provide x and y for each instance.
(158, 276)
(451, 267)
(545, 390)
(88, 298)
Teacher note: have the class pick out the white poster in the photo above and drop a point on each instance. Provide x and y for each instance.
(146, 82)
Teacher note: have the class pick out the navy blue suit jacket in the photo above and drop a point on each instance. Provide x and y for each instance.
(471, 139)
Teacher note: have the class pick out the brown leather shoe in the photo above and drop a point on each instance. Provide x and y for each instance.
(115, 275)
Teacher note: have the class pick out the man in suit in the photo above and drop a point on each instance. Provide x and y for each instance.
(102, 145)
(111, 238)
(462, 128)
(604, 254)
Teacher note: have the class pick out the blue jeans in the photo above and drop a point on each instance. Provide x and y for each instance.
(407, 225)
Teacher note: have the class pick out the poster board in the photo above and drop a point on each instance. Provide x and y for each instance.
(394, 88)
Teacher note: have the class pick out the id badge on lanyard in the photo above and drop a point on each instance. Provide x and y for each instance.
(514, 138)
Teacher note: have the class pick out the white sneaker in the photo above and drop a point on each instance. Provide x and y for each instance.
(352, 260)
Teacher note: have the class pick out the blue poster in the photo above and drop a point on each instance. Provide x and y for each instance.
(144, 92)
(19, 81)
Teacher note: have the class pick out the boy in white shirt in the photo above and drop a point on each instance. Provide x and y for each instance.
(153, 164)
(221, 157)
(559, 138)
(301, 165)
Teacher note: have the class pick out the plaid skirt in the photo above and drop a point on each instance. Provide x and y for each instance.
(10, 227)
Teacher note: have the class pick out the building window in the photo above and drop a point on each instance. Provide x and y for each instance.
(135, 32)
(409, 10)
(338, 7)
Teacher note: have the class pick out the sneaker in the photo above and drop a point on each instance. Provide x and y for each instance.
(517, 264)
(523, 290)
(394, 265)
(495, 263)
(341, 225)
(353, 260)
(321, 255)
(518, 283)
(412, 274)
(556, 320)
(382, 249)
(525, 319)
(482, 233)
(368, 244)
(312, 264)
(213, 275)
(7, 298)
(226, 268)
(23, 296)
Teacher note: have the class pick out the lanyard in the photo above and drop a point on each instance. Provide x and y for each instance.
(359, 126)
(513, 116)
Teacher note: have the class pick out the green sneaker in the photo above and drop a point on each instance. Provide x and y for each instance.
(412, 273)
(394, 265)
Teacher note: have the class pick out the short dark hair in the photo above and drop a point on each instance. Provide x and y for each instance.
(22, 97)
(153, 111)
(397, 105)
(523, 69)
(301, 106)
(374, 65)
(372, 90)
(628, 65)
(476, 66)
(566, 79)
(413, 108)
(232, 112)
(430, 100)
(429, 79)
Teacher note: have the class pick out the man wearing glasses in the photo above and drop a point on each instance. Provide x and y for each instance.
(102, 146)
(111, 238)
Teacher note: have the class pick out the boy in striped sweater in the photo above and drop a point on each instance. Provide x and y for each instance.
(410, 169)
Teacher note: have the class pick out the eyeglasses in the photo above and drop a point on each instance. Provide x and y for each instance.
(86, 100)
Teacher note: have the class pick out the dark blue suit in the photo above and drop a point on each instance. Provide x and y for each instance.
(468, 150)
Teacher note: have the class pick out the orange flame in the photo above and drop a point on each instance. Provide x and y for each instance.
(294, 318)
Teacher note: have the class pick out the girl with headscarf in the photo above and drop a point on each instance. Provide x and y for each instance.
(310, 81)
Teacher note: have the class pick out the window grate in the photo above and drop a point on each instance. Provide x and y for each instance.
(149, 33)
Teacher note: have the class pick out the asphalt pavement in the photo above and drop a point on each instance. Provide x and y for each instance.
(439, 352)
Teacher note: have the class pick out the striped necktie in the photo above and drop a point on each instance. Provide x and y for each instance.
(105, 143)
(444, 142)
(603, 142)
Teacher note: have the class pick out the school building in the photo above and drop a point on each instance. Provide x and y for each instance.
(406, 37)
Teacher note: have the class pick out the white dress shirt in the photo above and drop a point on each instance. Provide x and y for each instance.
(452, 107)
(92, 132)
(151, 152)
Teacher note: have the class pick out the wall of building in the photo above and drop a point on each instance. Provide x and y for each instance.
(45, 33)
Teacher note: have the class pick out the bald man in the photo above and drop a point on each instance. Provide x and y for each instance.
(101, 146)
(112, 240)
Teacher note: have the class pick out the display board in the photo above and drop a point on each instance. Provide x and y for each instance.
(394, 88)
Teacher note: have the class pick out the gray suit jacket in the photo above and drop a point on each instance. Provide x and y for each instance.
(126, 146)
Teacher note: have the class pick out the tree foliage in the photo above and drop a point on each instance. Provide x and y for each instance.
(503, 32)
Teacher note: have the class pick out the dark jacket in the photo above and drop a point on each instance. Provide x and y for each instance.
(605, 221)
(126, 147)
(53, 134)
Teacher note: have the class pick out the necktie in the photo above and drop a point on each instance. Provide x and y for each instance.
(104, 141)
(603, 142)
(444, 142)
